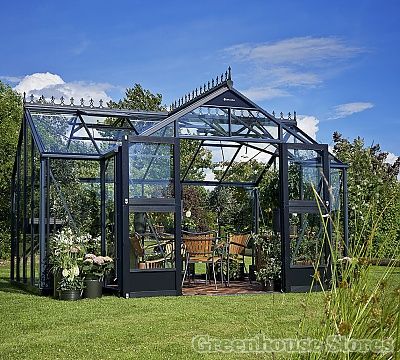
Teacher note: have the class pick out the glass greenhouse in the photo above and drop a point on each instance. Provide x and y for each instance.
(111, 172)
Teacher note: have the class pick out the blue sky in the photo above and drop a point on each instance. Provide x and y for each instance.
(336, 63)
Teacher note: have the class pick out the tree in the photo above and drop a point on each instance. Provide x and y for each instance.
(373, 191)
(137, 98)
(10, 122)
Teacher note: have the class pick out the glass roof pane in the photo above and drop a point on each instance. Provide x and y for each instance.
(62, 133)
(205, 121)
(251, 123)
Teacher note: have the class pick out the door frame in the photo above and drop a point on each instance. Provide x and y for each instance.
(147, 282)
(299, 278)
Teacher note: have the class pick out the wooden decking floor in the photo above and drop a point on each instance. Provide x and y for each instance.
(235, 288)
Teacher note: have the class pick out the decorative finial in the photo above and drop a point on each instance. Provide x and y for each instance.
(216, 83)
(52, 100)
(100, 103)
(72, 101)
(281, 115)
(42, 99)
(229, 73)
(289, 116)
(62, 100)
(24, 98)
(196, 91)
(82, 102)
(212, 82)
(208, 88)
(91, 102)
(273, 113)
(185, 98)
(31, 97)
(226, 75)
(294, 115)
(193, 94)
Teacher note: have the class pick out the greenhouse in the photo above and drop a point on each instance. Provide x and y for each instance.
(146, 183)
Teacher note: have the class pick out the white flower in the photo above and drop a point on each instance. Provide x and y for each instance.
(65, 272)
(188, 214)
(75, 270)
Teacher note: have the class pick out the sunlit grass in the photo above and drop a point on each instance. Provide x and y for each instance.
(34, 327)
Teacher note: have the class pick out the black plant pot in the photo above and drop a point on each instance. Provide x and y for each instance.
(93, 288)
(70, 295)
(268, 285)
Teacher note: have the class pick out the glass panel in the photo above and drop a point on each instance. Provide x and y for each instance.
(246, 123)
(152, 240)
(205, 121)
(212, 160)
(75, 196)
(305, 173)
(151, 171)
(111, 244)
(62, 133)
(306, 239)
(249, 163)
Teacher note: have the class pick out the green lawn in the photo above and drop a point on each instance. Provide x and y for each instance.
(34, 327)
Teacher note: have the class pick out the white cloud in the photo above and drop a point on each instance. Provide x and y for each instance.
(48, 84)
(344, 110)
(309, 124)
(298, 50)
(391, 158)
(294, 62)
(264, 93)
(11, 79)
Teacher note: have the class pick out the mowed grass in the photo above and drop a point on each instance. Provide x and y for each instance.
(35, 327)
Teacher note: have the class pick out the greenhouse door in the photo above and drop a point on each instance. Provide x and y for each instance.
(304, 172)
(149, 232)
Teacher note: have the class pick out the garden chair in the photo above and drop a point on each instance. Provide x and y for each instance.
(200, 248)
(140, 253)
(235, 250)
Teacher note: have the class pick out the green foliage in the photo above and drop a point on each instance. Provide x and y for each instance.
(269, 266)
(355, 307)
(10, 122)
(137, 98)
(81, 199)
(373, 190)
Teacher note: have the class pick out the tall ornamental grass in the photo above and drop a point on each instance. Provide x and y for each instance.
(359, 304)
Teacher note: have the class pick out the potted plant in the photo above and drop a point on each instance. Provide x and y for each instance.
(94, 268)
(71, 284)
(66, 257)
(269, 274)
(269, 268)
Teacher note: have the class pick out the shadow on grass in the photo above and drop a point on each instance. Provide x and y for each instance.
(6, 286)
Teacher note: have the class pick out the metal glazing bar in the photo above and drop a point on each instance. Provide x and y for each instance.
(89, 134)
(32, 212)
(192, 160)
(25, 209)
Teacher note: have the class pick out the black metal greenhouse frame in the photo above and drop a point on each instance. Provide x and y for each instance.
(237, 123)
